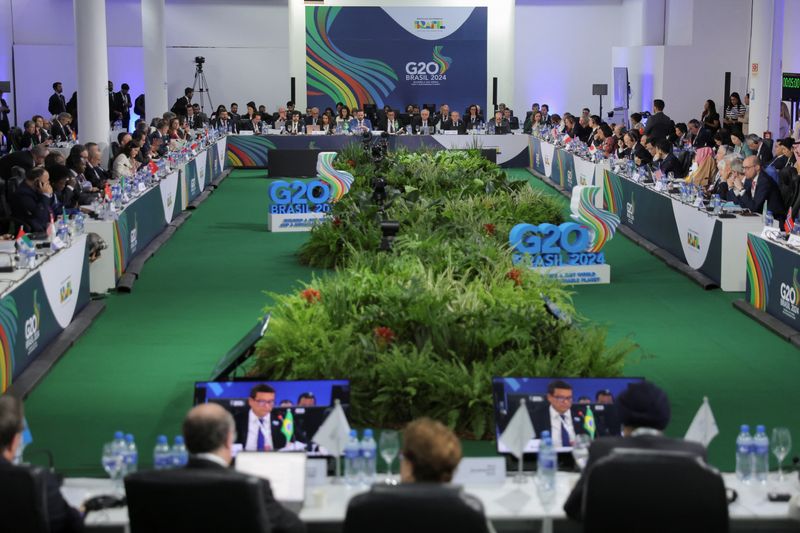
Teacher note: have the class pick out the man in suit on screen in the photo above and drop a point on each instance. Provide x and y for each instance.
(556, 415)
(259, 428)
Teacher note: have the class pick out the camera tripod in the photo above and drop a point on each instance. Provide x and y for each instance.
(200, 86)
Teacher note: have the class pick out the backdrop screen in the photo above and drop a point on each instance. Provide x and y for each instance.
(591, 392)
(396, 56)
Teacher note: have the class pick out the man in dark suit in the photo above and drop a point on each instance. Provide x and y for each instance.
(556, 415)
(313, 119)
(138, 106)
(26, 159)
(209, 431)
(60, 516)
(759, 148)
(644, 412)
(392, 125)
(95, 172)
(424, 123)
(60, 131)
(756, 190)
(5, 126)
(223, 123)
(179, 107)
(254, 124)
(454, 123)
(122, 105)
(57, 104)
(259, 428)
(659, 125)
(194, 121)
(33, 202)
(667, 162)
(703, 135)
(500, 124)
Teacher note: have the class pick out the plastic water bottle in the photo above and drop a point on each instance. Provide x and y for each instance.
(769, 220)
(161, 456)
(368, 456)
(352, 460)
(119, 449)
(744, 462)
(179, 454)
(131, 454)
(717, 204)
(546, 468)
(760, 455)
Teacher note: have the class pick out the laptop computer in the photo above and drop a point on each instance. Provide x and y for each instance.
(286, 473)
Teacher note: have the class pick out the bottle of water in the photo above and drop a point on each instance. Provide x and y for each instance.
(744, 462)
(179, 454)
(368, 456)
(352, 460)
(760, 455)
(769, 220)
(717, 204)
(161, 456)
(119, 449)
(131, 454)
(547, 466)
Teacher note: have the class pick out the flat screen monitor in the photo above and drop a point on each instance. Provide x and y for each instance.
(287, 418)
(586, 392)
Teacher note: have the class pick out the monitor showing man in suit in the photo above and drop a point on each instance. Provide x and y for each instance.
(257, 429)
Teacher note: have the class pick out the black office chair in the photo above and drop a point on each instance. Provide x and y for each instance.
(15, 136)
(417, 507)
(195, 500)
(23, 499)
(657, 491)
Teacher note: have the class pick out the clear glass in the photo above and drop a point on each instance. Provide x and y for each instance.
(112, 464)
(389, 446)
(580, 449)
(781, 443)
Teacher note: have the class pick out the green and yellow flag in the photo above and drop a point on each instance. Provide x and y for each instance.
(287, 427)
(588, 422)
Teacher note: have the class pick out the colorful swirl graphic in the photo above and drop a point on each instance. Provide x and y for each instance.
(562, 175)
(120, 246)
(352, 80)
(248, 151)
(8, 334)
(759, 271)
(439, 59)
(602, 224)
(612, 193)
(796, 286)
(339, 180)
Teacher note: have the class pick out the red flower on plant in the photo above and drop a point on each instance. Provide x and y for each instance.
(337, 221)
(311, 296)
(351, 163)
(384, 335)
(491, 229)
(515, 274)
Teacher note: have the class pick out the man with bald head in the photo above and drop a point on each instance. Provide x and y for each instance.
(756, 190)
(209, 431)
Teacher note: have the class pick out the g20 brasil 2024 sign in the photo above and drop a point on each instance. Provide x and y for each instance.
(297, 205)
(572, 251)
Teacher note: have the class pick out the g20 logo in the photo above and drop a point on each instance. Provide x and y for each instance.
(31, 327)
(420, 67)
(297, 197)
(545, 244)
(788, 293)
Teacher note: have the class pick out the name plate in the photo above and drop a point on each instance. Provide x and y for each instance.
(316, 472)
(794, 240)
(246, 132)
(480, 471)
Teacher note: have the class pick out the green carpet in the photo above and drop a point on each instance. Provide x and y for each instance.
(134, 368)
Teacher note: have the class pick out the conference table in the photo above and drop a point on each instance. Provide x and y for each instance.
(693, 238)
(148, 214)
(37, 304)
(252, 151)
(509, 506)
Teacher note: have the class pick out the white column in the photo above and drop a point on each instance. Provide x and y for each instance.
(297, 53)
(92, 60)
(154, 44)
(653, 22)
(766, 51)
(500, 53)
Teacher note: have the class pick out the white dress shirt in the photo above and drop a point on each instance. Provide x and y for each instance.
(253, 427)
(214, 458)
(556, 422)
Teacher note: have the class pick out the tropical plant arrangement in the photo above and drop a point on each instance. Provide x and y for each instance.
(423, 328)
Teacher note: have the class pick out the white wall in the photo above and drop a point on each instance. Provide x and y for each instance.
(248, 59)
(6, 43)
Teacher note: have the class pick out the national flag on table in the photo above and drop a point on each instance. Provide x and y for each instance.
(287, 426)
(588, 422)
(567, 139)
(51, 228)
(592, 147)
(518, 432)
(703, 428)
(153, 167)
(334, 432)
(789, 224)
(23, 241)
(108, 192)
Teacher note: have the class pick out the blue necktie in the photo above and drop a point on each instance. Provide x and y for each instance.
(564, 432)
(260, 441)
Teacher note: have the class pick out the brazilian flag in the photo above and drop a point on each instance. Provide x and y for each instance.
(287, 427)
(588, 422)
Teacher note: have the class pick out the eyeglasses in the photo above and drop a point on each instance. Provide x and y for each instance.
(748, 167)
(264, 403)
(563, 399)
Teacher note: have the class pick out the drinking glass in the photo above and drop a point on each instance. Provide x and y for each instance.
(781, 446)
(580, 449)
(112, 464)
(389, 446)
